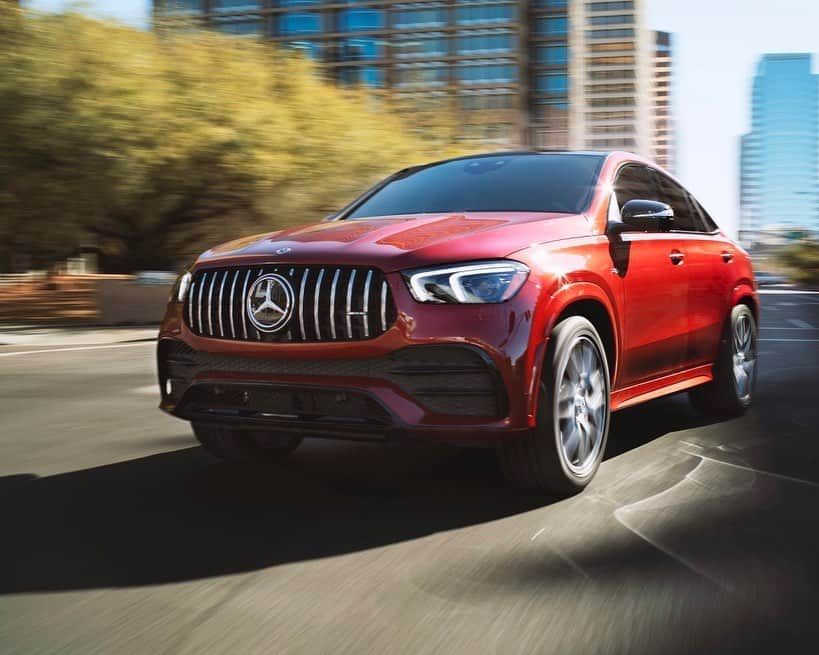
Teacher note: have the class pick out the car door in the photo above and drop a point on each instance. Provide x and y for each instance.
(655, 289)
(706, 297)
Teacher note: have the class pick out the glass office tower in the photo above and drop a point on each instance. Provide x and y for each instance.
(779, 165)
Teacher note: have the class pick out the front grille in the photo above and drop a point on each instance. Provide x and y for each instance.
(345, 303)
(445, 379)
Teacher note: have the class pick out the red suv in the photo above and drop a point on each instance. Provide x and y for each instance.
(511, 299)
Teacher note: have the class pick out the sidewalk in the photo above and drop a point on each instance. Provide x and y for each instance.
(30, 335)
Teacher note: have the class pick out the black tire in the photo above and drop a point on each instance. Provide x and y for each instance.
(538, 460)
(723, 396)
(244, 445)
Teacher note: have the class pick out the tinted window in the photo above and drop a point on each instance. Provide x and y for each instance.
(685, 217)
(530, 183)
(634, 183)
(705, 217)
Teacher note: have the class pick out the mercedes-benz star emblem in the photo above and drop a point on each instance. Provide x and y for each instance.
(270, 302)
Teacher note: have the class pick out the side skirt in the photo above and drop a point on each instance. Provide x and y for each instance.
(668, 384)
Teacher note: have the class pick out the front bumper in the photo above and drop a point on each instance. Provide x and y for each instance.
(460, 373)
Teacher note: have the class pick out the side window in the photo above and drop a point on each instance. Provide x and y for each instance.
(686, 219)
(705, 217)
(634, 183)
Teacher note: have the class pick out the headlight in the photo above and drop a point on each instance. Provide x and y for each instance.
(477, 282)
(180, 287)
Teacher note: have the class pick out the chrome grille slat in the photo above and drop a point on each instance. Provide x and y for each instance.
(242, 305)
(302, 287)
(221, 307)
(384, 289)
(199, 304)
(316, 304)
(350, 284)
(191, 293)
(210, 305)
(335, 303)
(233, 304)
(366, 307)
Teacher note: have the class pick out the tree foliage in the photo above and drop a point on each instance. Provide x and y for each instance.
(802, 261)
(151, 145)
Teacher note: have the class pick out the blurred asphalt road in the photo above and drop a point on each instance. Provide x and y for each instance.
(119, 535)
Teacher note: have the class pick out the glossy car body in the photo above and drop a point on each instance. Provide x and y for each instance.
(659, 301)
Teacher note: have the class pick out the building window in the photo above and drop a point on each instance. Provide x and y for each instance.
(300, 23)
(431, 44)
(611, 34)
(360, 20)
(611, 6)
(552, 84)
(619, 19)
(484, 42)
(431, 15)
(485, 73)
(552, 55)
(476, 14)
(360, 49)
(552, 26)
(235, 5)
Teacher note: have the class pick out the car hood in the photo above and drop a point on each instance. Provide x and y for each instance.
(401, 242)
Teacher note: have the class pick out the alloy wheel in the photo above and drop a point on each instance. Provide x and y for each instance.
(582, 407)
(744, 356)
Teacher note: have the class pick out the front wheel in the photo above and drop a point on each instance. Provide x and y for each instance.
(732, 389)
(562, 453)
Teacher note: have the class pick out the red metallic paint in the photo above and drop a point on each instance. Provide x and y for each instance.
(665, 319)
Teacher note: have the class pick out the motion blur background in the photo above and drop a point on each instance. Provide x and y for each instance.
(134, 134)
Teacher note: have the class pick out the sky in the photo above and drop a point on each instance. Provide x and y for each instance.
(716, 46)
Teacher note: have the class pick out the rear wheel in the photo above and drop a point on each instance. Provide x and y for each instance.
(562, 453)
(244, 445)
(731, 391)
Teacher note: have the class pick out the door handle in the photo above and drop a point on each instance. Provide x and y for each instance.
(727, 256)
(676, 257)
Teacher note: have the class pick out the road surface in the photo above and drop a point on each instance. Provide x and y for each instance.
(119, 535)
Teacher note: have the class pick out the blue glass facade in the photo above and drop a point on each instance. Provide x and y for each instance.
(780, 156)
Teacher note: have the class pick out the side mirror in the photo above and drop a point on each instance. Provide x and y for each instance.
(643, 216)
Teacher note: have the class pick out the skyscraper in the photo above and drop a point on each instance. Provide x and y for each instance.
(663, 132)
(779, 167)
(544, 73)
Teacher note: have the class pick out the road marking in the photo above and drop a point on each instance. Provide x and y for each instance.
(788, 292)
(150, 390)
(537, 534)
(791, 340)
(64, 350)
(798, 322)
(771, 327)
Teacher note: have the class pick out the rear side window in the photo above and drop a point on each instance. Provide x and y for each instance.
(497, 183)
(686, 217)
(705, 217)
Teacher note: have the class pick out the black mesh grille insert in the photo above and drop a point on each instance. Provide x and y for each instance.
(455, 380)
(344, 303)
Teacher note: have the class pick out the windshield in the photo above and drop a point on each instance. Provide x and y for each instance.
(496, 183)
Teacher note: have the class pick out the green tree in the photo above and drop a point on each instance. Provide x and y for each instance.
(153, 145)
(802, 261)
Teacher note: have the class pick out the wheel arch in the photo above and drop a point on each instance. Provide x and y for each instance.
(578, 299)
(592, 303)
